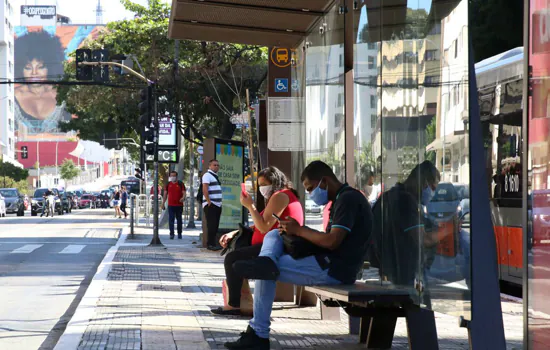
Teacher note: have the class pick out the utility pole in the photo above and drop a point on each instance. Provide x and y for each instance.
(156, 239)
(250, 143)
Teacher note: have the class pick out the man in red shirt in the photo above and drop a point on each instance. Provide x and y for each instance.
(175, 191)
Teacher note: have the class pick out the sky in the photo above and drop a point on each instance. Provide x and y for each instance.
(82, 11)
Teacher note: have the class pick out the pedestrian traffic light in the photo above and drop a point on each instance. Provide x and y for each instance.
(100, 73)
(83, 72)
(146, 106)
(24, 152)
(139, 173)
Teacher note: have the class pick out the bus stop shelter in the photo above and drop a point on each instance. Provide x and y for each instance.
(370, 84)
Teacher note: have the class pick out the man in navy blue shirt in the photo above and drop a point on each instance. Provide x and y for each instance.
(340, 257)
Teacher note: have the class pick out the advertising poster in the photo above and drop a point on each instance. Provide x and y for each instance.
(40, 52)
(231, 174)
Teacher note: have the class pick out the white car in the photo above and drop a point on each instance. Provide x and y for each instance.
(2, 206)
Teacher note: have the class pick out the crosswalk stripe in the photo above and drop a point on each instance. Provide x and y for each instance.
(26, 249)
(73, 249)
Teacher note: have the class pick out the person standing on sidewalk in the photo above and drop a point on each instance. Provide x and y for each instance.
(175, 191)
(211, 204)
(123, 201)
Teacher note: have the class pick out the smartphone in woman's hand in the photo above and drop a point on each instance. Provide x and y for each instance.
(243, 190)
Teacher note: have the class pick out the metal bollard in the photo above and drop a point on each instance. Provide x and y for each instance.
(132, 208)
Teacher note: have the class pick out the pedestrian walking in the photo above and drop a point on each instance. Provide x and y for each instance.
(175, 191)
(212, 204)
(116, 204)
(124, 201)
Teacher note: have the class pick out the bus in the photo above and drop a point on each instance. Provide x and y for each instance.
(500, 94)
(132, 186)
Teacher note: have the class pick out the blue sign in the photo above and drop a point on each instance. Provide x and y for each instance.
(281, 85)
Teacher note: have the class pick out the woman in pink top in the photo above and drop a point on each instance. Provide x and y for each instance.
(281, 200)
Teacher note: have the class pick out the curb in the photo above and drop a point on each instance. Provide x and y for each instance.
(71, 337)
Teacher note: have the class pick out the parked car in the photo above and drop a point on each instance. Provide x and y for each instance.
(85, 201)
(443, 213)
(38, 201)
(312, 208)
(65, 202)
(2, 207)
(73, 200)
(14, 201)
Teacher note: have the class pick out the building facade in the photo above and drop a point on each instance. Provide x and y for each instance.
(7, 123)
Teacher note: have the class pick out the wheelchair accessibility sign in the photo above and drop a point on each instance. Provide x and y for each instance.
(281, 85)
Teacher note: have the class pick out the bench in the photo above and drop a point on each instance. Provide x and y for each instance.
(378, 307)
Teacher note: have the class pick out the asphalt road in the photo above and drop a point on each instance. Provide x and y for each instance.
(46, 265)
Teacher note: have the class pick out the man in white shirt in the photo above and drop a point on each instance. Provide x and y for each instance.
(211, 204)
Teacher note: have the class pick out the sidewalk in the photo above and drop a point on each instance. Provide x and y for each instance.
(159, 298)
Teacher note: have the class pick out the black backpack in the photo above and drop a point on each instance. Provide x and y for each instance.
(199, 191)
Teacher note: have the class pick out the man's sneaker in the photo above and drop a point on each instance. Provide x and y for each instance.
(249, 341)
(171, 236)
(179, 236)
(214, 248)
(260, 268)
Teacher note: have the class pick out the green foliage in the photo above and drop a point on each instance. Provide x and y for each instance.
(365, 163)
(68, 170)
(430, 137)
(206, 88)
(495, 26)
(8, 182)
(9, 170)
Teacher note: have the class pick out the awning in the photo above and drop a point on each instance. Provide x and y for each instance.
(449, 141)
(253, 22)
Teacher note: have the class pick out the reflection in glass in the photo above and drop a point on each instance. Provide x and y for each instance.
(538, 197)
(410, 132)
(325, 122)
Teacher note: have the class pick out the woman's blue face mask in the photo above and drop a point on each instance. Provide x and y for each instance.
(319, 195)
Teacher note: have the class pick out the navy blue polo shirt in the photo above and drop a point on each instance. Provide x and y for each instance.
(352, 212)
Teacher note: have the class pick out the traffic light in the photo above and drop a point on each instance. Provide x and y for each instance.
(24, 152)
(83, 72)
(149, 141)
(146, 106)
(139, 174)
(100, 73)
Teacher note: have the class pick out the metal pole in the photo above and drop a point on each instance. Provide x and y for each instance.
(191, 223)
(132, 208)
(250, 144)
(156, 238)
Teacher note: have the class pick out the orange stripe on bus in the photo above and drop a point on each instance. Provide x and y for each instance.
(509, 245)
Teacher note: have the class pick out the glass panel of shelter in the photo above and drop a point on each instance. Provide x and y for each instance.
(410, 132)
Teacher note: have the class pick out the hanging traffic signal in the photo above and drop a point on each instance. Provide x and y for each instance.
(83, 72)
(146, 106)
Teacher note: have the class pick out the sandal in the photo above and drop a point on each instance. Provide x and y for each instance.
(220, 311)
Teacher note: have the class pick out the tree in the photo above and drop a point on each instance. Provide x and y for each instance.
(495, 26)
(7, 169)
(203, 92)
(68, 170)
(430, 137)
(22, 186)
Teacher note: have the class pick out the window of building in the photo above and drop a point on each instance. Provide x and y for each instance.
(372, 101)
(431, 55)
(341, 60)
(456, 48)
(431, 80)
(340, 101)
(373, 121)
(56, 181)
(371, 62)
(372, 46)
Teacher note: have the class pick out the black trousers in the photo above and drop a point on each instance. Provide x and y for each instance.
(212, 214)
(123, 209)
(235, 282)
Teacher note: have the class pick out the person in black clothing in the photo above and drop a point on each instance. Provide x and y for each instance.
(404, 241)
(45, 203)
(340, 257)
(124, 201)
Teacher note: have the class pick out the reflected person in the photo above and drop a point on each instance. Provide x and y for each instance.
(402, 246)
